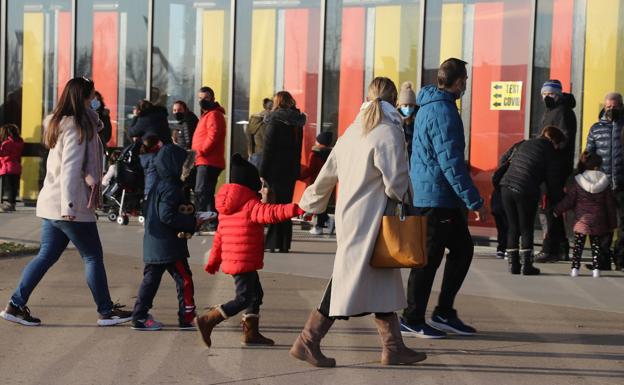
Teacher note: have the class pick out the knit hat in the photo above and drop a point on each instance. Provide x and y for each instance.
(325, 138)
(244, 173)
(553, 86)
(407, 95)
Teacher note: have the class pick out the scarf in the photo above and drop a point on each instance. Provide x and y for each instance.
(93, 166)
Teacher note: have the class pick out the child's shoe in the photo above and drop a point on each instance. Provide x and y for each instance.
(500, 254)
(251, 333)
(149, 324)
(316, 230)
(596, 273)
(574, 272)
(207, 322)
(182, 325)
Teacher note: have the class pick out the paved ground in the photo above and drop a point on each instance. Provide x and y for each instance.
(544, 330)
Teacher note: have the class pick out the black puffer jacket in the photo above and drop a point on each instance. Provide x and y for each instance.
(185, 130)
(283, 138)
(154, 121)
(604, 140)
(532, 164)
(563, 117)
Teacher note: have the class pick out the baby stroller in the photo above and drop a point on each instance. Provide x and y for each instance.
(123, 197)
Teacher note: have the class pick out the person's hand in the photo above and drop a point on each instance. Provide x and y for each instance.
(481, 214)
(70, 218)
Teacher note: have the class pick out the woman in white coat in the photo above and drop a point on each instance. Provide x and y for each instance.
(370, 163)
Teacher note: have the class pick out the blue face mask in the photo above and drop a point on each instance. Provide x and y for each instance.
(95, 104)
(407, 110)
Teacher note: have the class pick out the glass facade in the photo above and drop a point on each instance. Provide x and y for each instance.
(324, 52)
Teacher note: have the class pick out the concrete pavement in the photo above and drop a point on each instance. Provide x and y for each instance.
(544, 330)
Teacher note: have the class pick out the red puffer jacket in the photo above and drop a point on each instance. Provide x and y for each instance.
(10, 156)
(593, 203)
(209, 139)
(238, 246)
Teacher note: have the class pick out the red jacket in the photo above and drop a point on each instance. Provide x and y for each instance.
(209, 139)
(10, 156)
(238, 246)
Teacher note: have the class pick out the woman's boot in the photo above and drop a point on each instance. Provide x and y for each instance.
(307, 347)
(527, 263)
(394, 350)
(251, 332)
(514, 261)
(208, 321)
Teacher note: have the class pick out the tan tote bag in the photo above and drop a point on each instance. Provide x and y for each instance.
(402, 239)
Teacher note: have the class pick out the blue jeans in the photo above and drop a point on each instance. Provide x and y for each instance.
(55, 235)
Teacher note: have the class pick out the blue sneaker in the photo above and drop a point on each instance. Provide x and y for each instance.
(451, 325)
(420, 331)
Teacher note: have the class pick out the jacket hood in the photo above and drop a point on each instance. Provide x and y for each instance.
(431, 94)
(169, 162)
(232, 197)
(389, 111)
(217, 107)
(290, 116)
(567, 100)
(593, 181)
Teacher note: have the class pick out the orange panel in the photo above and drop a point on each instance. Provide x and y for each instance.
(561, 48)
(63, 50)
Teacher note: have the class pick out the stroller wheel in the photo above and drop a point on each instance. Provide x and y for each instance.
(123, 220)
(112, 217)
(141, 219)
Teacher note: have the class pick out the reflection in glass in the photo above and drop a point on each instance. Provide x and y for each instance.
(111, 48)
(37, 67)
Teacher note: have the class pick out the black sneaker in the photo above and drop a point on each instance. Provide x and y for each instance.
(117, 316)
(20, 315)
(186, 326)
(420, 330)
(542, 257)
(451, 325)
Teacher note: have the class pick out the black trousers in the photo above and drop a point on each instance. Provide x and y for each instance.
(618, 253)
(279, 235)
(502, 228)
(249, 295)
(446, 229)
(326, 302)
(152, 275)
(520, 210)
(205, 185)
(10, 187)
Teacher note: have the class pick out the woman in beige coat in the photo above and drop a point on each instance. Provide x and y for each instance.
(370, 163)
(67, 202)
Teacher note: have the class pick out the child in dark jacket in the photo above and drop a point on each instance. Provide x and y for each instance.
(238, 248)
(11, 146)
(163, 249)
(594, 210)
(318, 156)
(151, 145)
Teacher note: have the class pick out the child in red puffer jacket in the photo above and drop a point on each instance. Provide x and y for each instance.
(11, 146)
(238, 248)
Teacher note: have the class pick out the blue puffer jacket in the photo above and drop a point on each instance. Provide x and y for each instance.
(604, 139)
(438, 172)
(163, 221)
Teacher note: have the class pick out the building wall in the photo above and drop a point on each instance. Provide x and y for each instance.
(324, 52)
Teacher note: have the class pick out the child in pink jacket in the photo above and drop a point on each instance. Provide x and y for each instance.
(11, 146)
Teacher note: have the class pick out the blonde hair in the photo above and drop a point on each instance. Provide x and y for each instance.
(380, 89)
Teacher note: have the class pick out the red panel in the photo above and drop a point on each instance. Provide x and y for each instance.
(561, 48)
(63, 50)
(351, 65)
(106, 62)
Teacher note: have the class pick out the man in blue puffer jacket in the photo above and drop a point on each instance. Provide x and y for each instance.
(605, 139)
(442, 189)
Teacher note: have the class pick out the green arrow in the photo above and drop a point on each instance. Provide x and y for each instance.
(497, 104)
(498, 87)
(497, 95)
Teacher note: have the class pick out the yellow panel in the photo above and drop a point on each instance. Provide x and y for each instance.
(212, 51)
(409, 41)
(452, 31)
(262, 76)
(600, 58)
(32, 99)
(387, 41)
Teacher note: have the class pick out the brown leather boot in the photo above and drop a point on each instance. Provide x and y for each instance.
(251, 334)
(207, 322)
(394, 350)
(307, 347)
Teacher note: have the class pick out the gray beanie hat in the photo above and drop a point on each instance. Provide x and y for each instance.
(407, 95)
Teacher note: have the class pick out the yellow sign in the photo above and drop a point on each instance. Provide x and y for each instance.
(506, 96)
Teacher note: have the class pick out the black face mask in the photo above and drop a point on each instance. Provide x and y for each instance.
(613, 115)
(179, 116)
(550, 102)
(206, 104)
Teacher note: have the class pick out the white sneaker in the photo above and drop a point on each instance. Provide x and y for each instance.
(574, 272)
(596, 273)
(316, 230)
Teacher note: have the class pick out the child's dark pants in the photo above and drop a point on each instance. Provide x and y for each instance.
(248, 295)
(152, 274)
